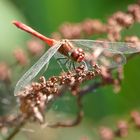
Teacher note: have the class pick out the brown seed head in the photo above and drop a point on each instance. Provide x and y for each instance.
(5, 73)
(122, 129)
(21, 57)
(35, 46)
(106, 134)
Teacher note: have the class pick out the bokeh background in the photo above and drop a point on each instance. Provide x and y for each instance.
(102, 107)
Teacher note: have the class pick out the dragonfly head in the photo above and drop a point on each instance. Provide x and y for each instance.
(68, 49)
(78, 55)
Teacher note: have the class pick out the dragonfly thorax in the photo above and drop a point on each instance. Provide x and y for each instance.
(66, 48)
(69, 50)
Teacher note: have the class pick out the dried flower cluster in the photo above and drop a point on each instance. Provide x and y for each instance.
(35, 48)
(5, 73)
(115, 24)
(20, 57)
(9, 121)
(35, 98)
(122, 129)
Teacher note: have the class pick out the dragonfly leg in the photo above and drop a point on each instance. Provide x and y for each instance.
(68, 65)
(85, 64)
(62, 58)
(73, 64)
(59, 60)
(66, 62)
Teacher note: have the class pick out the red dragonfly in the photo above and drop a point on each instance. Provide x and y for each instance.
(75, 51)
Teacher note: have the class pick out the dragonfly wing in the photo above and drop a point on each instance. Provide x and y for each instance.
(114, 47)
(106, 54)
(111, 60)
(35, 69)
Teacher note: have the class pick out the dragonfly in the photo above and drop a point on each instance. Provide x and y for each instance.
(76, 51)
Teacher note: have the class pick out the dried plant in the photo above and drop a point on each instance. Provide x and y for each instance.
(34, 99)
(122, 127)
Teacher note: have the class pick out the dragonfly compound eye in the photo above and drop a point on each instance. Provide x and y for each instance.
(78, 55)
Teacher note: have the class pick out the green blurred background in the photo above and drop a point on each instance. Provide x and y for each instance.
(102, 107)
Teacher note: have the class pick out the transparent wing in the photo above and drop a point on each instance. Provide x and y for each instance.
(111, 60)
(35, 69)
(115, 47)
(108, 54)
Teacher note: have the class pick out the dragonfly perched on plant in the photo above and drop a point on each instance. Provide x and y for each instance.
(76, 52)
